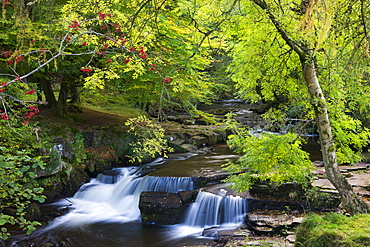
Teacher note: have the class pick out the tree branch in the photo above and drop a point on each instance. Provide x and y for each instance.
(206, 34)
(301, 51)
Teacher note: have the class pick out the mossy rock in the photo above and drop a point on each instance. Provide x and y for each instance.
(177, 148)
(54, 165)
(334, 230)
(53, 186)
(163, 208)
(99, 159)
(76, 179)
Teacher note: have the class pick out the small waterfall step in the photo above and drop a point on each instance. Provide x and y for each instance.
(118, 191)
(213, 210)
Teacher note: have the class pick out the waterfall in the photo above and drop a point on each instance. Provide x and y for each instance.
(123, 191)
(211, 210)
(105, 211)
(114, 196)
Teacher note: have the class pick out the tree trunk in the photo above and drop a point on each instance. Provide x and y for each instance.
(350, 201)
(48, 91)
(75, 94)
(61, 108)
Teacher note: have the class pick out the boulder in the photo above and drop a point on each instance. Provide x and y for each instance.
(164, 208)
(274, 204)
(76, 179)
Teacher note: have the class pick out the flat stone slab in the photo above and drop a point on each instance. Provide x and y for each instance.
(318, 163)
(319, 171)
(359, 179)
(356, 180)
(323, 184)
(361, 191)
(291, 238)
(362, 165)
(298, 220)
(354, 167)
(274, 219)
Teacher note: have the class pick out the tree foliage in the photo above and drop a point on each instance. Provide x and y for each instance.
(144, 50)
(158, 54)
(265, 67)
(267, 157)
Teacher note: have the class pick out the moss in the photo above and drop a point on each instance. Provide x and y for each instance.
(75, 180)
(177, 148)
(331, 148)
(53, 185)
(334, 230)
(318, 199)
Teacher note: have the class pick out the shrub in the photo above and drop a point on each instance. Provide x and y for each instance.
(19, 160)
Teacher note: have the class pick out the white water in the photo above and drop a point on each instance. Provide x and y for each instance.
(97, 201)
(213, 210)
(105, 211)
(116, 198)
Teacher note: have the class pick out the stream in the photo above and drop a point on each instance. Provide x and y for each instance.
(105, 212)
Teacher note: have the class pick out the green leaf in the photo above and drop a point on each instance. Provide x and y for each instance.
(25, 168)
(30, 229)
(3, 221)
(40, 199)
(38, 190)
(4, 164)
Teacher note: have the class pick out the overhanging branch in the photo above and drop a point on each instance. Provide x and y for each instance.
(301, 51)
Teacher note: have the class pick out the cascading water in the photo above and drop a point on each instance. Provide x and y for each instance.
(212, 210)
(114, 196)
